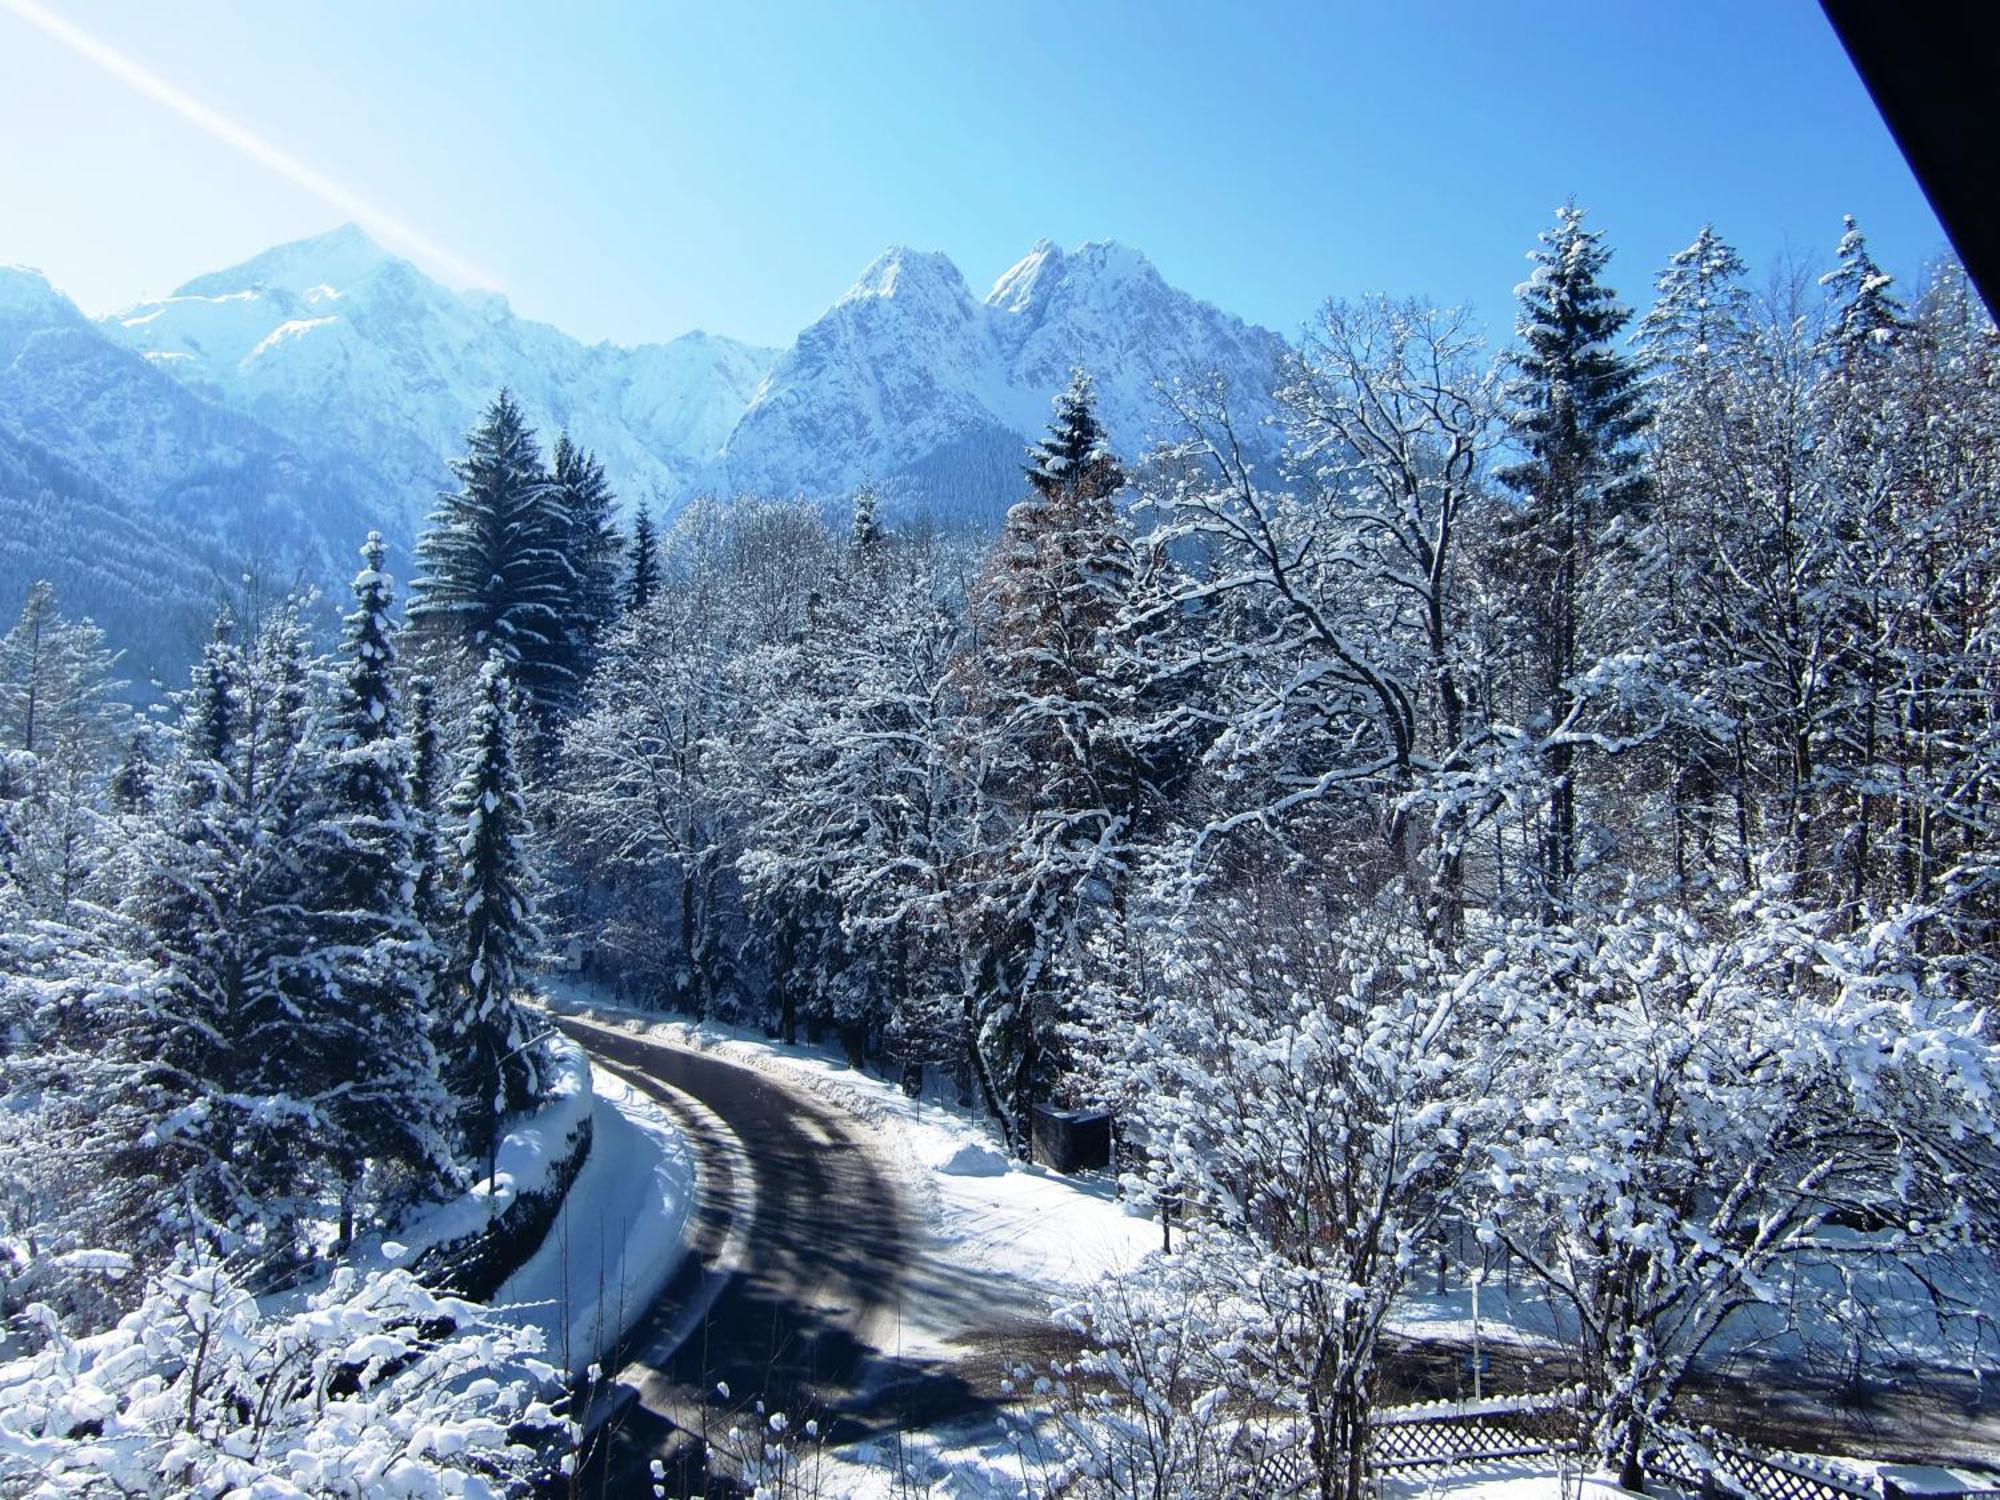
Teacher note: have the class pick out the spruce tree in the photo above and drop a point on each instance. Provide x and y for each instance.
(495, 573)
(1701, 315)
(366, 972)
(1696, 341)
(593, 546)
(26, 665)
(642, 563)
(55, 679)
(219, 902)
(492, 1062)
(135, 783)
(1868, 317)
(865, 531)
(1047, 695)
(1577, 408)
(187, 859)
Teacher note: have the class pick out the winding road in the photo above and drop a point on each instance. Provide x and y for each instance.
(801, 1256)
(803, 1259)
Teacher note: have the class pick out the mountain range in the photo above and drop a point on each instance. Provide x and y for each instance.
(275, 410)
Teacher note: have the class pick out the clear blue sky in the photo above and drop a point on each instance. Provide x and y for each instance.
(630, 171)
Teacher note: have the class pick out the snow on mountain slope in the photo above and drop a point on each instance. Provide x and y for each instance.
(142, 492)
(908, 381)
(349, 350)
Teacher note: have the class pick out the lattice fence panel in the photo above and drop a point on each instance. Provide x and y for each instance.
(1414, 1438)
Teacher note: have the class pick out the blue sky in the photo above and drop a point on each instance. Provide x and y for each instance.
(633, 171)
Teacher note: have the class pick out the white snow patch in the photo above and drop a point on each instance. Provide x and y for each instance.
(618, 1238)
(974, 1160)
(528, 1153)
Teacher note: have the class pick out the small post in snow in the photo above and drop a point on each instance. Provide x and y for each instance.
(1475, 1276)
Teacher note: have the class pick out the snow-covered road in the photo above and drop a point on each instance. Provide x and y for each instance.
(803, 1257)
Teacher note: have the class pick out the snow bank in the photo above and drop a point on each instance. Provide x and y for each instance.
(1536, 1481)
(974, 1160)
(618, 1237)
(485, 1231)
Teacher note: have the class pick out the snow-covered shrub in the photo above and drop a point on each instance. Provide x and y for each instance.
(1298, 1083)
(1170, 1397)
(374, 1386)
(1694, 1120)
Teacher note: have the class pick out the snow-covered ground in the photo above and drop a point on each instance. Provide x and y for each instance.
(618, 1237)
(528, 1153)
(1005, 1241)
(1511, 1481)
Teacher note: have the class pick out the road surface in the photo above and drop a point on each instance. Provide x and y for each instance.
(801, 1254)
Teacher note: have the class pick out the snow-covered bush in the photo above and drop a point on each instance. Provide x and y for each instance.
(1299, 1085)
(1693, 1120)
(374, 1386)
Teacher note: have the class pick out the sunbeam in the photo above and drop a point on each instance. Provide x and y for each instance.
(370, 216)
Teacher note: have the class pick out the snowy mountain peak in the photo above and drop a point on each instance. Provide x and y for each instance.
(1028, 281)
(357, 355)
(909, 382)
(904, 273)
(908, 378)
(339, 259)
(26, 293)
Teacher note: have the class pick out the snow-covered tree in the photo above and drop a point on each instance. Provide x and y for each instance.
(1059, 781)
(491, 1060)
(374, 1385)
(55, 679)
(496, 572)
(1576, 409)
(592, 545)
(642, 561)
(854, 805)
(1299, 1092)
(60, 720)
(1868, 315)
(218, 902)
(1695, 1120)
(647, 790)
(365, 975)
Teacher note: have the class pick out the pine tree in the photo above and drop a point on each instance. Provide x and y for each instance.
(1696, 340)
(25, 656)
(866, 532)
(642, 563)
(592, 547)
(58, 717)
(205, 879)
(365, 976)
(1046, 692)
(491, 1062)
(1577, 408)
(496, 573)
(1868, 316)
(134, 785)
(55, 677)
(1702, 311)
